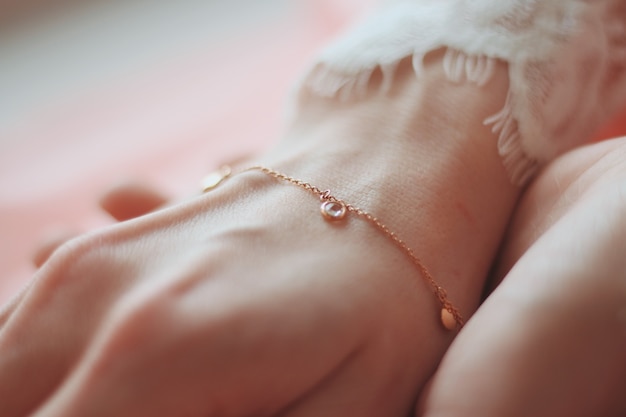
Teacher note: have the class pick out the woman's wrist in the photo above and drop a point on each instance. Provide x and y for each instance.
(418, 157)
(430, 124)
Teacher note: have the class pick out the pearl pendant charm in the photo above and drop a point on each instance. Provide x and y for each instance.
(333, 210)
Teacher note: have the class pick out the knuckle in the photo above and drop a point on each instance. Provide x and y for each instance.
(78, 257)
(77, 247)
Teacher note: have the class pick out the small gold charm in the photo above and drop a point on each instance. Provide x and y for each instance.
(448, 320)
(214, 179)
(333, 210)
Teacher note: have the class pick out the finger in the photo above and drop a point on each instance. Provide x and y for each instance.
(31, 355)
(550, 341)
(237, 361)
(49, 325)
(130, 200)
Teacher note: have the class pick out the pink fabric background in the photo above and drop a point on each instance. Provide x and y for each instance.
(167, 126)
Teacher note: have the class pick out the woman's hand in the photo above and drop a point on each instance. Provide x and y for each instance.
(551, 339)
(246, 302)
(215, 307)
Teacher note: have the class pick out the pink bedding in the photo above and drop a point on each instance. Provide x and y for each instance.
(168, 126)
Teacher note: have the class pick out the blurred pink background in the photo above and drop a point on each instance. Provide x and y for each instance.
(92, 93)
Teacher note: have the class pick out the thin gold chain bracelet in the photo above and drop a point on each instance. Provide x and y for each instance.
(335, 210)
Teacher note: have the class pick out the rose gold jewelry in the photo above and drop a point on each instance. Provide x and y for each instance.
(336, 210)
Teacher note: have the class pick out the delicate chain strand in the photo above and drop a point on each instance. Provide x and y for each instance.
(450, 315)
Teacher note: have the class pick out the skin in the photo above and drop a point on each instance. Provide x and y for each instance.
(579, 186)
(219, 298)
(551, 338)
